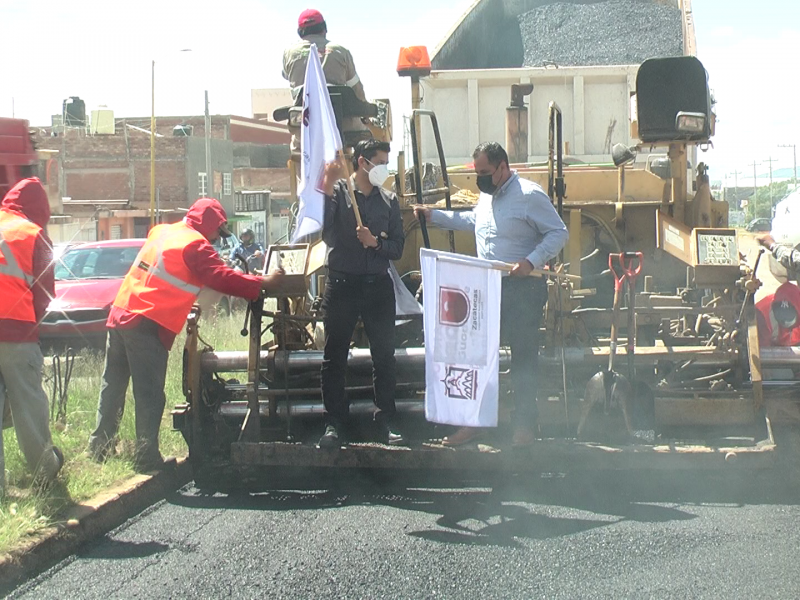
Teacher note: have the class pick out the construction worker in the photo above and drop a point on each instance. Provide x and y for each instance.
(155, 298)
(514, 222)
(249, 251)
(787, 256)
(27, 284)
(337, 62)
(359, 285)
(777, 317)
(337, 66)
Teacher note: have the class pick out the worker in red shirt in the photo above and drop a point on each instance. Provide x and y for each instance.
(26, 288)
(155, 298)
(777, 317)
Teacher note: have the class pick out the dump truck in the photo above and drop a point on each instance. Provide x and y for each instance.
(253, 415)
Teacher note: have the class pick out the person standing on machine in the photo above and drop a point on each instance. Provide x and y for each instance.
(514, 222)
(336, 60)
(359, 285)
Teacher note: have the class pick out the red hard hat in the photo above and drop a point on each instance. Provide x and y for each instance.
(309, 17)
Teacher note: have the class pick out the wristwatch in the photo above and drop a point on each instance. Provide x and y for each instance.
(380, 244)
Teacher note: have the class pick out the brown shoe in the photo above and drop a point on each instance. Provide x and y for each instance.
(523, 436)
(463, 436)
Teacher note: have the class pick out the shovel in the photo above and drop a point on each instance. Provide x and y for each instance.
(642, 398)
(605, 416)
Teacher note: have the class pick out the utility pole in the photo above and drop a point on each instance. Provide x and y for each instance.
(209, 172)
(153, 145)
(794, 153)
(736, 173)
(770, 160)
(755, 190)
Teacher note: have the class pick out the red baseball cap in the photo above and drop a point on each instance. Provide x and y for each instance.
(309, 17)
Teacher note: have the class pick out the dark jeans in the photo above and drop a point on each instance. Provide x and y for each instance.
(346, 299)
(136, 354)
(521, 309)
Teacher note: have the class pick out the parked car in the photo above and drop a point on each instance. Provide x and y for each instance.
(88, 278)
(60, 248)
(759, 225)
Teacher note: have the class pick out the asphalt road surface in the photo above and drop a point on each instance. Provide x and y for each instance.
(607, 536)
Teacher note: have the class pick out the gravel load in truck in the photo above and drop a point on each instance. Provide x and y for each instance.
(617, 32)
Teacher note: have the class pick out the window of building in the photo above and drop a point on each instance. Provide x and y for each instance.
(227, 184)
(202, 184)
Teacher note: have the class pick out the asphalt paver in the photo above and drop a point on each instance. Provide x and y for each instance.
(618, 535)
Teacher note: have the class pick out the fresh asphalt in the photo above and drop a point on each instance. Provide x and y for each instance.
(610, 535)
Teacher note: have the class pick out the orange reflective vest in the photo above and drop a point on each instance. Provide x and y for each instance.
(159, 285)
(17, 241)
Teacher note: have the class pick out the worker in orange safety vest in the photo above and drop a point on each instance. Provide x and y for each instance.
(155, 298)
(26, 287)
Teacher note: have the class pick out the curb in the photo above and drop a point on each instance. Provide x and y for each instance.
(87, 520)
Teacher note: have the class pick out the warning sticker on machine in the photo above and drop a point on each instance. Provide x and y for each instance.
(672, 236)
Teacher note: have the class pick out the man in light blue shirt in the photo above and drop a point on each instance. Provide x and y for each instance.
(514, 222)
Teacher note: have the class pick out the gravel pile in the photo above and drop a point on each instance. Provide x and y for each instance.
(616, 32)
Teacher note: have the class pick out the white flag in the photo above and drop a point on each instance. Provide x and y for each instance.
(404, 301)
(462, 339)
(320, 143)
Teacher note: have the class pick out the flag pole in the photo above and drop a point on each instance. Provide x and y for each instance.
(350, 190)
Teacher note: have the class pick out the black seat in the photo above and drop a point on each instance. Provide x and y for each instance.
(346, 105)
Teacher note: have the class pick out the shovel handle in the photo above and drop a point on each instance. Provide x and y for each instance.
(618, 277)
(631, 265)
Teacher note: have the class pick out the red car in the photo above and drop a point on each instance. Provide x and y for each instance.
(88, 278)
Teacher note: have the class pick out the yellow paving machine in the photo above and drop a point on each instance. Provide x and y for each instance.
(699, 397)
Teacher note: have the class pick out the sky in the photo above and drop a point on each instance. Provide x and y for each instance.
(103, 53)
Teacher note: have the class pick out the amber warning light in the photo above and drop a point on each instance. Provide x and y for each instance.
(414, 62)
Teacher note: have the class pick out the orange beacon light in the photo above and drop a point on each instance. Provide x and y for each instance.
(414, 62)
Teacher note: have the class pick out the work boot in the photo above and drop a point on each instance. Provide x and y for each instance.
(387, 434)
(99, 451)
(463, 436)
(152, 464)
(59, 457)
(329, 439)
(44, 481)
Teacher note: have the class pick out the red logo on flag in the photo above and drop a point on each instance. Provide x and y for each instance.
(453, 307)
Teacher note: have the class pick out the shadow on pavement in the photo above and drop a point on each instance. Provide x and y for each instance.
(515, 508)
(114, 549)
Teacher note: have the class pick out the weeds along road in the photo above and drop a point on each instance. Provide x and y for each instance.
(621, 536)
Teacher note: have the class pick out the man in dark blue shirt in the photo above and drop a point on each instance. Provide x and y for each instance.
(359, 285)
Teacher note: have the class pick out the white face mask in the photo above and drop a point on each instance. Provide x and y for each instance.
(378, 174)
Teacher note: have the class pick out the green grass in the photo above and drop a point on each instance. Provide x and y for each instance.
(24, 511)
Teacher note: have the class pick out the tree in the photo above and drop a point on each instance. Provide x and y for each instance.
(761, 207)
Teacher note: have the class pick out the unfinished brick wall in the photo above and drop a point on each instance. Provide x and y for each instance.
(117, 167)
(276, 180)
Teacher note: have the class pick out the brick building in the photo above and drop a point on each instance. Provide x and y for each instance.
(104, 179)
